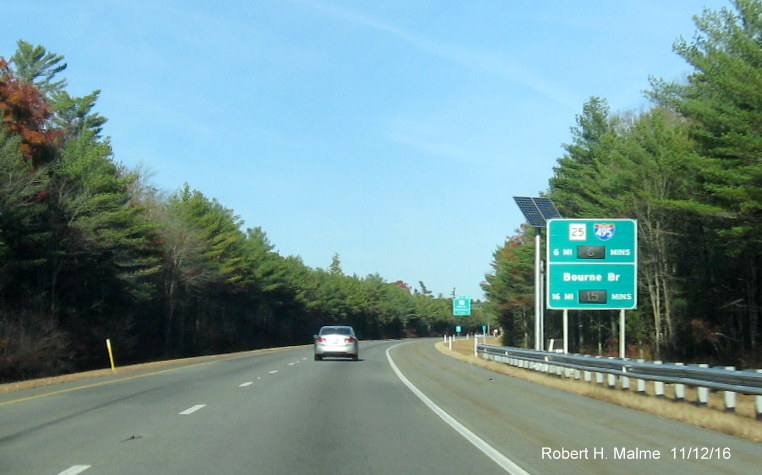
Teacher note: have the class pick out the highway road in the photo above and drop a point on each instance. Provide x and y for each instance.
(404, 408)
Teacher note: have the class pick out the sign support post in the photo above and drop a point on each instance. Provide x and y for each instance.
(566, 331)
(622, 347)
(538, 211)
(539, 318)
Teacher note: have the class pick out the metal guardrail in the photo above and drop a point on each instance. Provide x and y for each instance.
(744, 382)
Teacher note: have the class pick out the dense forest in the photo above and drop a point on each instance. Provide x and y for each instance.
(689, 169)
(90, 251)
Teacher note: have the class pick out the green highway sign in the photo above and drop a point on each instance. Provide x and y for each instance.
(592, 264)
(461, 306)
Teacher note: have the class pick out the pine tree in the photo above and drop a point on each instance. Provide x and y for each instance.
(38, 67)
(723, 100)
(576, 184)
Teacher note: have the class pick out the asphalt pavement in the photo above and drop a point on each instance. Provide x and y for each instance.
(403, 408)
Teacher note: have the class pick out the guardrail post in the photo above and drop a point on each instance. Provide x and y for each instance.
(679, 389)
(611, 378)
(641, 383)
(588, 375)
(625, 379)
(599, 378)
(730, 396)
(702, 394)
(658, 385)
(476, 343)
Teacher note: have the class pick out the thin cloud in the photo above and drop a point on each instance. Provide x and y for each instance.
(478, 60)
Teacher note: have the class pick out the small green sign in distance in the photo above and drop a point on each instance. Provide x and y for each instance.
(461, 306)
(592, 264)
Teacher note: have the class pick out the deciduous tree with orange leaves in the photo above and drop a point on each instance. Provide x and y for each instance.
(25, 112)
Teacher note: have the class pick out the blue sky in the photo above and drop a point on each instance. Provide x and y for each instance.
(394, 133)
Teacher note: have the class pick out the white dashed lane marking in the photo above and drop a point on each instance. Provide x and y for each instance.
(249, 383)
(193, 409)
(75, 469)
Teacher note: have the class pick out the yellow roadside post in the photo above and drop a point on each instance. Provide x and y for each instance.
(110, 355)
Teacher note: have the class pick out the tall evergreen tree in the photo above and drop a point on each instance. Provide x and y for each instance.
(575, 185)
(652, 174)
(722, 99)
(335, 268)
(39, 67)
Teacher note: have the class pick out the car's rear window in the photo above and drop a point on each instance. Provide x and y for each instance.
(335, 331)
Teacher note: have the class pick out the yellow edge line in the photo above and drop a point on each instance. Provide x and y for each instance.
(94, 385)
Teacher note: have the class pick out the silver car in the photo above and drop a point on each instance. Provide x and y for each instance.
(337, 340)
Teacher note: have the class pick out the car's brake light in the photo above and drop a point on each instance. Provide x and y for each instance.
(350, 340)
(320, 339)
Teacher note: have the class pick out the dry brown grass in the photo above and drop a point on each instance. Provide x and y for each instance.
(741, 424)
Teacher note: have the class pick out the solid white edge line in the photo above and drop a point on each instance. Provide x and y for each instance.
(75, 469)
(193, 409)
(505, 463)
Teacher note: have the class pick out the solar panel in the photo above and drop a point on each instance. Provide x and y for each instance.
(537, 210)
(547, 208)
(531, 213)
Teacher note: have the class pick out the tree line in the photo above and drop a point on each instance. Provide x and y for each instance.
(689, 169)
(89, 250)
